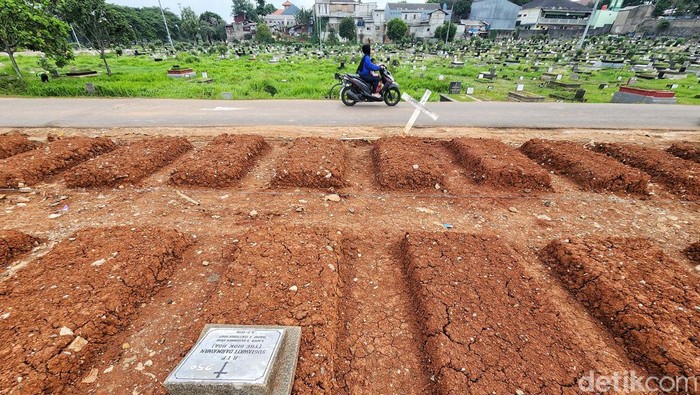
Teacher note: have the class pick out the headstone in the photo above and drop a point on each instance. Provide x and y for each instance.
(520, 87)
(205, 75)
(558, 77)
(90, 88)
(470, 90)
(226, 95)
(455, 87)
(238, 360)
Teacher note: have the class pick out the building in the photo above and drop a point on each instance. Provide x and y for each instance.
(332, 11)
(472, 28)
(629, 18)
(552, 15)
(499, 15)
(422, 18)
(606, 15)
(425, 28)
(283, 19)
(240, 27)
(409, 12)
(374, 30)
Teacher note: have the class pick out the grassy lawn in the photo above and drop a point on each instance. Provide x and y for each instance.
(306, 77)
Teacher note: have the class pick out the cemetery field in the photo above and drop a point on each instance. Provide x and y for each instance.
(452, 261)
(283, 73)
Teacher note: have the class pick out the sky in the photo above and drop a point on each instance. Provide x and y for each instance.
(221, 7)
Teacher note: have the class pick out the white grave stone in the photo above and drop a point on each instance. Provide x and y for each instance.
(520, 87)
(470, 90)
(235, 359)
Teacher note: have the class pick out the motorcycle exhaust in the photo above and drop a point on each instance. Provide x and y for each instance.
(354, 96)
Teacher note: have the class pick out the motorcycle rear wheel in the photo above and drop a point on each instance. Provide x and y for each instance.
(392, 96)
(345, 97)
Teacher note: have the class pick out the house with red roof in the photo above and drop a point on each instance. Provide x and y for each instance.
(282, 19)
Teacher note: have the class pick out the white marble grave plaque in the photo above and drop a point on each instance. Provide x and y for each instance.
(229, 359)
(470, 90)
(235, 355)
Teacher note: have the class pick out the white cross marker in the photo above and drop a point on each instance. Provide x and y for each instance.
(420, 107)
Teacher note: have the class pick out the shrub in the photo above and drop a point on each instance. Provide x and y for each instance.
(269, 88)
(663, 25)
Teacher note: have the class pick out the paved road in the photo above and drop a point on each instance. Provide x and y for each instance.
(87, 112)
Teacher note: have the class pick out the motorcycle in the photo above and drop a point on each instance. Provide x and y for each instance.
(355, 89)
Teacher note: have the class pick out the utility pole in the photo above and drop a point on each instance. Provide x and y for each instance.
(449, 22)
(166, 26)
(588, 25)
(76, 37)
(320, 37)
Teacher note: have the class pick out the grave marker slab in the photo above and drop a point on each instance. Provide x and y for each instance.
(238, 360)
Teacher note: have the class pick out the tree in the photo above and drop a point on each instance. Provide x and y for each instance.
(332, 37)
(461, 8)
(396, 29)
(212, 27)
(263, 9)
(443, 30)
(244, 7)
(190, 24)
(347, 29)
(263, 33)
(147, 23)
(30, 25)
(97, 21)
(304, 17)
(661, 6)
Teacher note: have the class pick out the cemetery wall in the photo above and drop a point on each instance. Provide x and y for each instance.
(565, 33)
(677, 27)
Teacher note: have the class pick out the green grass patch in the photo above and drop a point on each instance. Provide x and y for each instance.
(302, 77)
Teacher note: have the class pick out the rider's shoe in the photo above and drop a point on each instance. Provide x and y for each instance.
(377, 95)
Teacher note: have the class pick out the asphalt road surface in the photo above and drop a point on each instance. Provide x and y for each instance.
(105, 113)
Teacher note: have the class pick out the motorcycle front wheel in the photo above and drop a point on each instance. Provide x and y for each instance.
(345, 97)
(392, 97)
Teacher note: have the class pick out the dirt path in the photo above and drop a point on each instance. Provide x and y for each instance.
(365, 273)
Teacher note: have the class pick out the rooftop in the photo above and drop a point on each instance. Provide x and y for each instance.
(556, 5)
(413, 6)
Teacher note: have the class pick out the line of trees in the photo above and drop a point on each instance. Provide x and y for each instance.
(253, 12)
(47, 25)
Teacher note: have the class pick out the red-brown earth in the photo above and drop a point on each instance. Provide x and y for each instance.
(384, 282)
